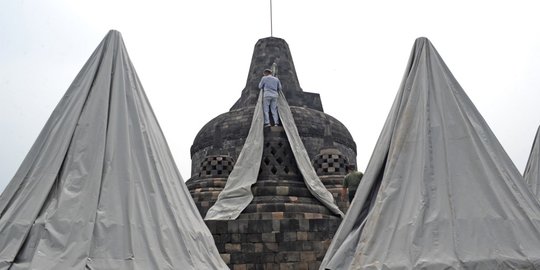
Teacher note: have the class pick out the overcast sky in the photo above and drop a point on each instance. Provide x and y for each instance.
(193, 59)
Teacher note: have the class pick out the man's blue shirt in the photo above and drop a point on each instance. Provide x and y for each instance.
(271, 85)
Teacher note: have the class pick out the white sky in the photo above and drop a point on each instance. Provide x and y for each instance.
(193, 58)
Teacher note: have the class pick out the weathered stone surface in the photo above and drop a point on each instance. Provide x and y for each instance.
(296, 243)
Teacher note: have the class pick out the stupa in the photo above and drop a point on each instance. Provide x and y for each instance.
(284, 226)
(439, 191)
(99, 188)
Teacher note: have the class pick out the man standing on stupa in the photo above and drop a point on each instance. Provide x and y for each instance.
(270, 86)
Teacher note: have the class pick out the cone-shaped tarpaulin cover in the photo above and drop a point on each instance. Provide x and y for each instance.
(532, 170)
(99, 188)
(439, 191)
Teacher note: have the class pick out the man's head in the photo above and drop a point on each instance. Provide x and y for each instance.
(267, 72)
(351, 167)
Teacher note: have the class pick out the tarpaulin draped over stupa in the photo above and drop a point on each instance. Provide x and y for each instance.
(99, 188)
(237, 194)
(532, 170)
(439, 191)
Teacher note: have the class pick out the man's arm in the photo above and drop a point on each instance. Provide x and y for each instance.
(279, 85)
(261, 83)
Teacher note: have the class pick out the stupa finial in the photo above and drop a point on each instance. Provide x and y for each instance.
(271, 26)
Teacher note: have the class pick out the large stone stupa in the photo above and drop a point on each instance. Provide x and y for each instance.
(284, 226)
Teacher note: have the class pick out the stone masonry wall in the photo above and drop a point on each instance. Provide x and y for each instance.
(277, 244)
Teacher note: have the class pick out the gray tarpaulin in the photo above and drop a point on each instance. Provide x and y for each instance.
(532, 170)
(99, 188)
(313, 183)
(439, 191)
(236, 194)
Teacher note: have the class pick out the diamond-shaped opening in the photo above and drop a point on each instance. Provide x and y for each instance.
(286, 169)
(267, 144)
(279, 160)
(273, 170)
(273, 151)
(219, 172)
(266, 160)
(280, 144)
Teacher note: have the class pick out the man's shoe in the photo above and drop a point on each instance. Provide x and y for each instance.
(266, 125)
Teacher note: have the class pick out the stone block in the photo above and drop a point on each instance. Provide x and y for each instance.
(318, 225)
(237, 258)
(242, 225)
(289, 236)
(240, 267)
(276, 225)
(270, 247)
(254, 237)
(237, 238)
(271, 266)
(232, 226)
(293, 256)
(258, 247)
(290, 225)
(253, 257)
(248, 247)
(307, 246)
(226, 257)
(303, 225)
(302, 236)
(220, 227)
(268, 237)
(314, 265)
(308, 256)
(290, 246)
(287, 266)
(233, 248)
(268, 257)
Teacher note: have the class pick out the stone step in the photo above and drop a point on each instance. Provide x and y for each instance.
(287, 207)
(281, 190)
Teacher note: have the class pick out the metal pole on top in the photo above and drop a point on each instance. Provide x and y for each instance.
(271, 26)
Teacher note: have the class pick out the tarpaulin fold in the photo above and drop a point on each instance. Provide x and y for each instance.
(532, 169)
(439, 191)
(99, 188)
(236, 195)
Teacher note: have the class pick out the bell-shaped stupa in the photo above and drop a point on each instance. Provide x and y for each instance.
(284, 223)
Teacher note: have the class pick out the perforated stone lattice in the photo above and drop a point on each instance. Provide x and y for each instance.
(278, 159)
(216, 166)
(330, 164)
